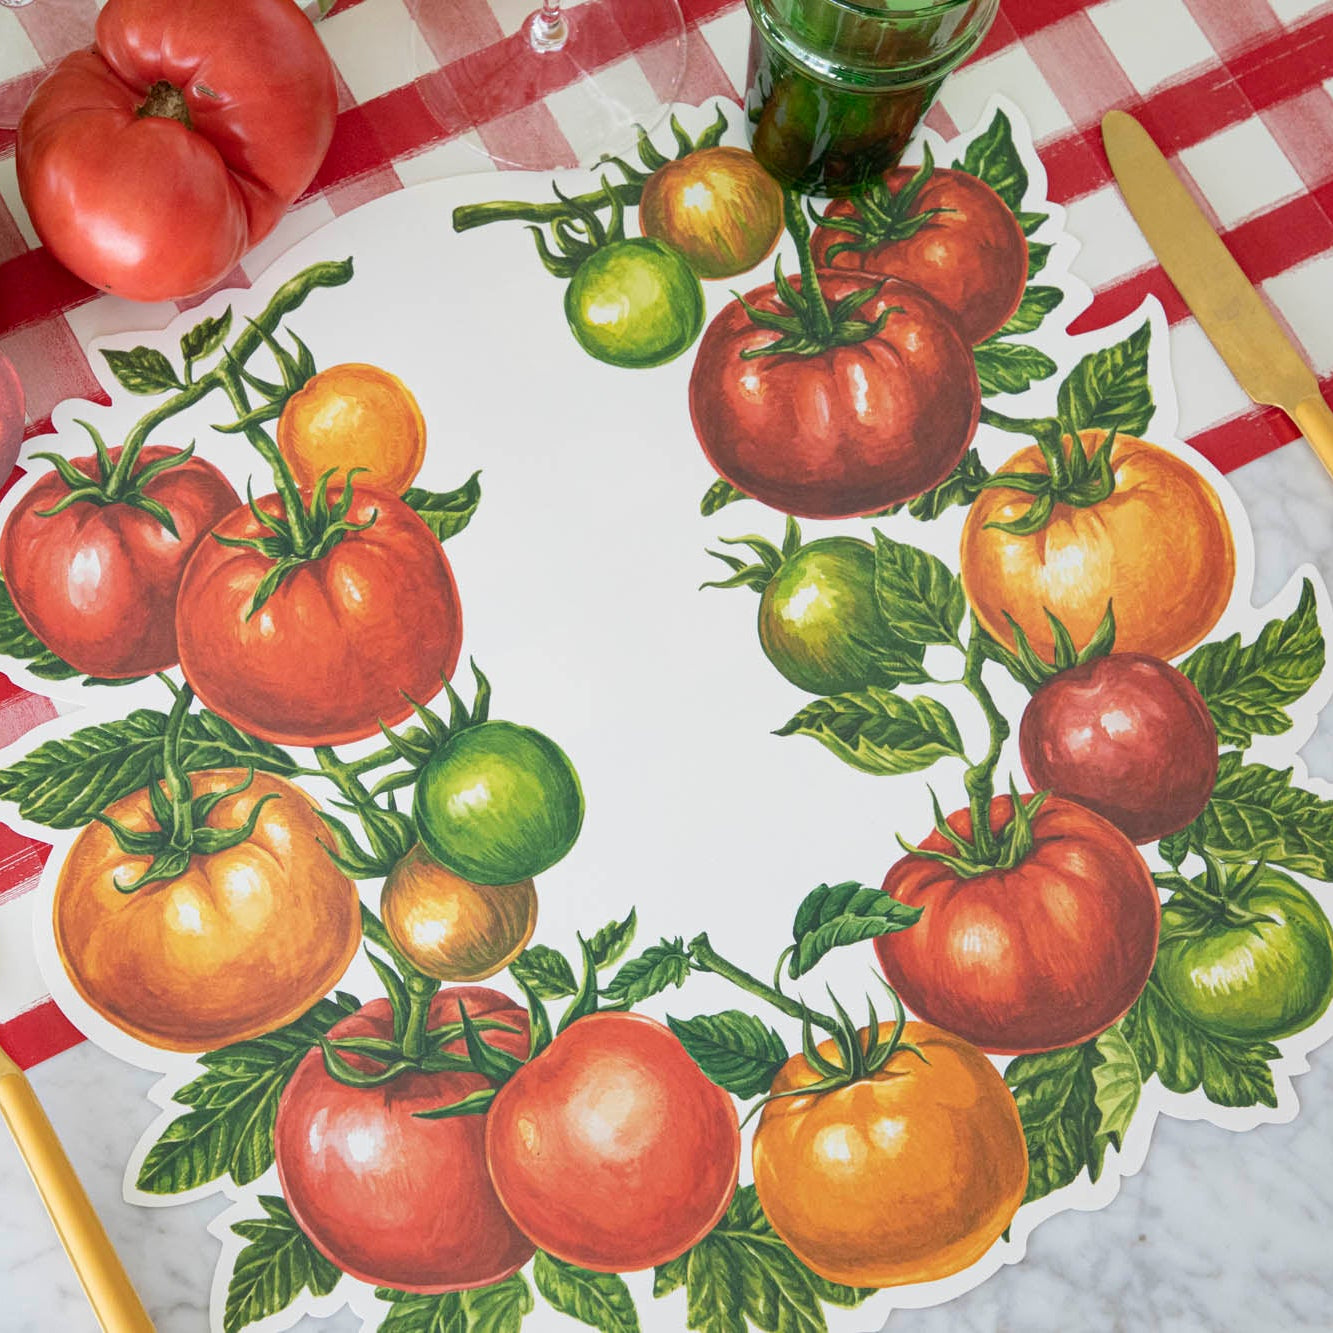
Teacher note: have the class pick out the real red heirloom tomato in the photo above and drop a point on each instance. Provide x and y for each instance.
(152, 161)
(954, 238)
(611, 1149)
(388, 1197)
(906, 1176)
(97, 581)
(845, 430)
(341, 643)
(1127, 736)
(1044, 954)
(241, 942)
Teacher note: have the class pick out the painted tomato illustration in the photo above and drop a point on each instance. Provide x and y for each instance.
(1158, 548)
(353, 416)
(950, 234)
(339, 645)
(842, 431)
(611, 1150)
(242, 942)
(717, 206)
(96, 580)
(1046, 952)
(1127, 736)
(906, 1176)
(450, 929)
(498, 803)
(1253, 965)
(388, 1197)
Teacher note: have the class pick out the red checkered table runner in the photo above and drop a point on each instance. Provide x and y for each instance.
(1238, 92)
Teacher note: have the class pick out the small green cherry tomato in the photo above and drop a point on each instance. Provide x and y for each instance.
(1238, 975)
(636, 303)
(498, 803)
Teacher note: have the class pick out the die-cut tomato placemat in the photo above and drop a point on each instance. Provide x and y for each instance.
(508, 655)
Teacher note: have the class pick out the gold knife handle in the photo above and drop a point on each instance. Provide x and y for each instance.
(1315, 420)
(113, 1298)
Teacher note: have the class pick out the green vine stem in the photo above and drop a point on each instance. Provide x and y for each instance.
(469, 216)
(799, 227)
(979, 780)
(1046, 431)
(704, 958)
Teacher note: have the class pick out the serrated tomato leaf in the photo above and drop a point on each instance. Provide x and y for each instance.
(736, 1050)
(960, 487)
(1247, 687)
(499, 1308)
(659, 967)
(143, 370)
(1004, 367)
(545, 972)
(718, 496)
(1109, 388)
(18, 641)
(609, 944)
(206, 337)
(834, 915)
(600, 1300)
(274, 1268)
(994, 158)
(446, 513)
(920, 599)
(1037, 303)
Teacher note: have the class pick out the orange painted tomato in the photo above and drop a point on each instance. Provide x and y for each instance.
(1159, 549)
(906, 1176)
(242, 942)
(718, 207)
(353, 416)
(451, 929)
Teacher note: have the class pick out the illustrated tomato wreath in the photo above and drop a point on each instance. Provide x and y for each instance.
(452, 1140)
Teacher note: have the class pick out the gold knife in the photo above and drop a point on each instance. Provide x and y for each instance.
(1229, 310)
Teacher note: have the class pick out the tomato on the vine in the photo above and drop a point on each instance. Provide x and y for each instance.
(96, 579)
(344, 643)
(239, 943)
(153, 160)
(498, 803)
(717, 206)
(611, 1149)
(451, 929)
(1158, 548)
(1045, 951)
(1255, 965)
(840, 429)
(1127, 736)
(389, 1197)
(905, 1176)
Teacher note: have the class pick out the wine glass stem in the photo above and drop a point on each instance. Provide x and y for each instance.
(547, 29)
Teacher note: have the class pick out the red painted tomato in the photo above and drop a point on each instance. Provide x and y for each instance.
(970, 254)
(390, 1198)
(339, 645)
(1043, 955)
(1127, 736)
(152, 161)
(611, 1150)
(97, 583)
(846, 431)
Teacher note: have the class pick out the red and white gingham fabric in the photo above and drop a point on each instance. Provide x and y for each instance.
(1238, 92)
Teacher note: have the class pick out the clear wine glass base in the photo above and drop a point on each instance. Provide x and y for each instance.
(603, 70)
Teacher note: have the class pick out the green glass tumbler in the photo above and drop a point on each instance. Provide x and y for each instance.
(836, 88)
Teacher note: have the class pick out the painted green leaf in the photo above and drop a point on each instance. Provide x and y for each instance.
(545, 972)
(600, 1300)
(718, 496)
(920, 598)
(1004, 367)
(832, 916)
(1037, 303)
(659, 967)
(143, 370)
(877, 731)
(1109, 388)
(19, 642)
(736, 1050)
(229, 1128)
(1038, 255)
(446, 513)
(206, 337)
(993, 158)
(499, 1308)
(1117, 1082)
(1248, 687)
(960, 487)
(608, 945)
(274, 1268)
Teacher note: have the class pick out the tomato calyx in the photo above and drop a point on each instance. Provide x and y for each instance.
(880, 215)
(770, 558)
(1030, 669)
(1073, 477)
(166, 101)
(114, 484)
(812, 326)
(971, 856)
(295, 372)
(1216, 902)
(182, 831)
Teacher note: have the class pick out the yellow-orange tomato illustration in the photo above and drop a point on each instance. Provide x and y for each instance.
(241, 942)
(451, 929)
(353, 416)
(1158, 548)
(905, 1176)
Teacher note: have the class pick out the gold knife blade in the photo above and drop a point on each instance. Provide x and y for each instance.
(1229, 310)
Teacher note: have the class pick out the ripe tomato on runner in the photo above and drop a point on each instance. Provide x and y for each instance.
(353, 416)
(391, 1198)
(906, 1176)
(1046, 952)
(611, 1149)
(341, 643)
(846, 429)
(1158, 549)
(97, 581)
(241, 942)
